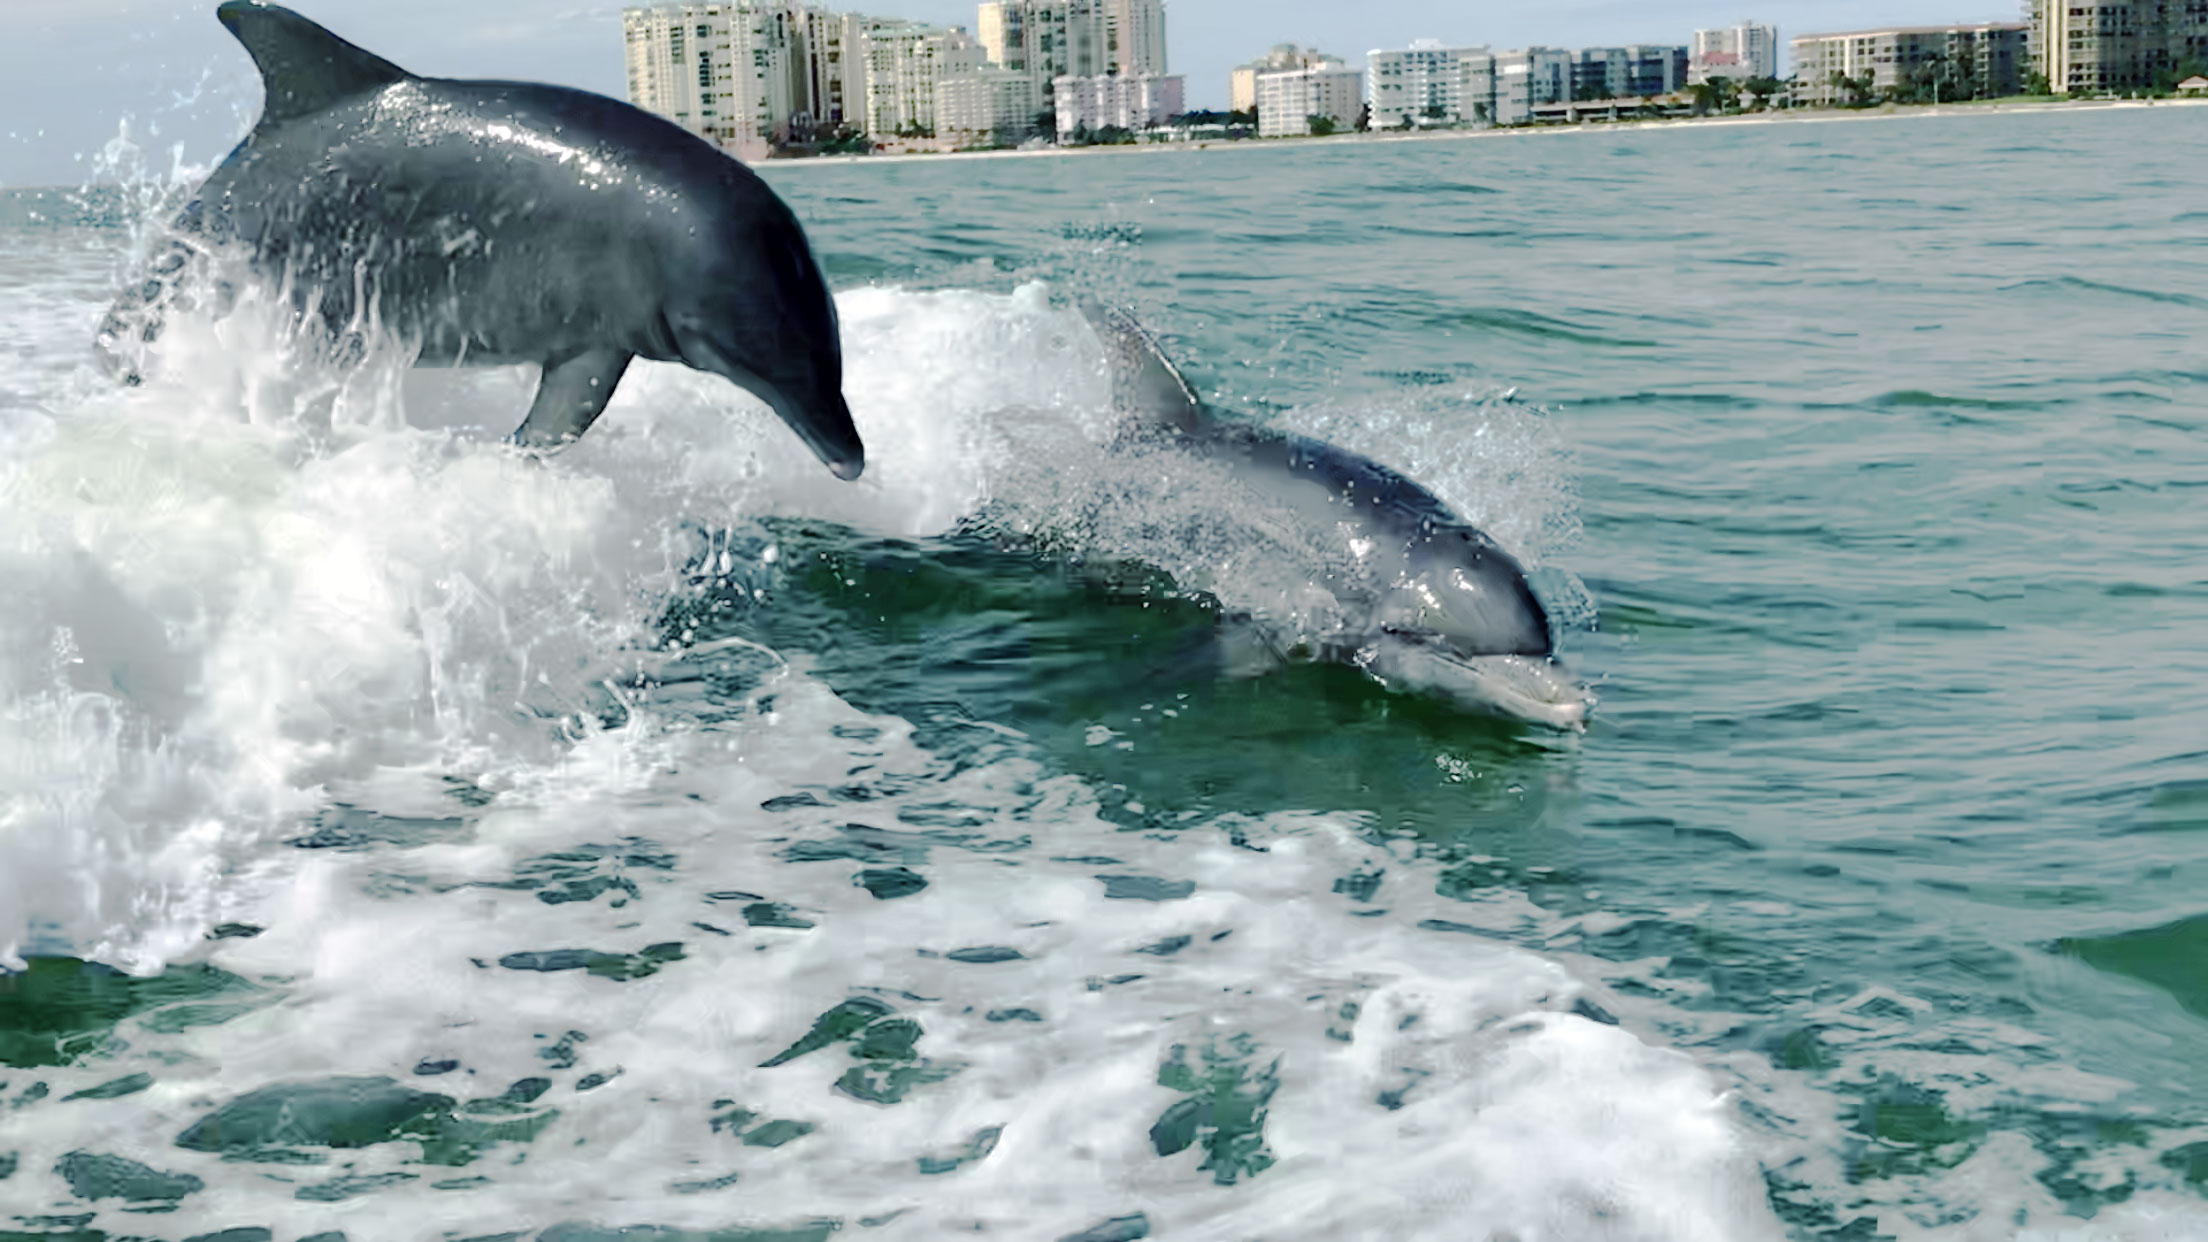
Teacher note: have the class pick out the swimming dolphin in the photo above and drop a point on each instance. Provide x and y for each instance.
(493, 223)
(1437, 608)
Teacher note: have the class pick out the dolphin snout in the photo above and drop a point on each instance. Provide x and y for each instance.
(827, 429)
(824, 424)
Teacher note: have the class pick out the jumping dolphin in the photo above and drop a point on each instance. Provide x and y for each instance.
(492, 223)
(1437, 607)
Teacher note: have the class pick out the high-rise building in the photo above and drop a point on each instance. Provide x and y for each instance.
(1134, 37)
(2116, 45)
(904, 61)
(1288, 100)
(1046, 39)
(1052, 39)
(1983, 60)
(748, 75)
(1242, 83)
(734, 74)
(1420, 86)
(1741, 51)
(835, 69)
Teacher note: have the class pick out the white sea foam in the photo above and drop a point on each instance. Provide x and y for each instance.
(1409, 1080)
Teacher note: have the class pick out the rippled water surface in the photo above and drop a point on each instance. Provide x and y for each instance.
(406, 840)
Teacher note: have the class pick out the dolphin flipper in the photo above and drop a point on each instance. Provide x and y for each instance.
(304, 68)
(571, 396)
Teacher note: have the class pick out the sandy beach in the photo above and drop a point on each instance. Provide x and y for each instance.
(1791, 116)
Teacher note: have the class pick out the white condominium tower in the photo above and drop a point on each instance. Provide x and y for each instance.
(1052, 39)
(1134, 32)
(747, 75)
(1242, 83)
(1289, 100)
(1741, 51)
(731, 73)
(904, 63)
(1422, 85)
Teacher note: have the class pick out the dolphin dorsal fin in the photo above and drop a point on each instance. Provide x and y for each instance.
(1144, 382)
(304, 68)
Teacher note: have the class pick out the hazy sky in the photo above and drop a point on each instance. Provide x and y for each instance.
(73, 72)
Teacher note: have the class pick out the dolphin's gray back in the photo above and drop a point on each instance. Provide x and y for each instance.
(1485, 606)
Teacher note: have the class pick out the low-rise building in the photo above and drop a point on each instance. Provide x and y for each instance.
(1292, 101)
(985, 107)
(1636, 71)
(1430, 84)
(1087, 105)
(1952, 62)
(1628, 108)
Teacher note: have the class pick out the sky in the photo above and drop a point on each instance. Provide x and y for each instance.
(77, 74)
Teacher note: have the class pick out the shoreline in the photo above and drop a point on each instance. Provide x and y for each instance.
(1789, 116)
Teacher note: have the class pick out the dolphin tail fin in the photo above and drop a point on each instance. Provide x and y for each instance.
(1144, 381)
(304, 68)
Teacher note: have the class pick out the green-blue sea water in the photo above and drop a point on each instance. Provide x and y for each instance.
(1864, 463)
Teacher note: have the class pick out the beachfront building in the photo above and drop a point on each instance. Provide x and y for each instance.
(752, 77)
(987, 107)
(1044, 39)
(1242, 82)
(835, 69)
(1432, 85)
(1111, 101)
(1052, 39)
(1741, 51)
(1421, 86)
(735, 75)
(2127, 45)
(1134, 34)
(905, 61)
(1951, 62)
(1520, 80)
(1636, 71)
(1295, 101)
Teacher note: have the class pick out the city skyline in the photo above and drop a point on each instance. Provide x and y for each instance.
(77, 69)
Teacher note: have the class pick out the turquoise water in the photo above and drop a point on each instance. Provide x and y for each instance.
(1864, 459)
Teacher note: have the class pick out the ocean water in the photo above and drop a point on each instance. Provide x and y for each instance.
(402, 839)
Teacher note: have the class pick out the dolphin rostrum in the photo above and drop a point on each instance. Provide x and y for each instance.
(1436, 607)
(492, 223)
